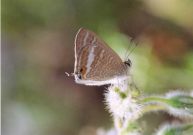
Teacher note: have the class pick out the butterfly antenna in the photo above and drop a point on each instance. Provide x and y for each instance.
(128, 48)
(134, 44)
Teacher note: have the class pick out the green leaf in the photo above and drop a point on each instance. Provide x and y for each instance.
(183, 129)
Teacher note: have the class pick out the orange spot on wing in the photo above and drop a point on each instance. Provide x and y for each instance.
(83, 72)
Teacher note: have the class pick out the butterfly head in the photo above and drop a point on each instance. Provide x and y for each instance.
(128, 63)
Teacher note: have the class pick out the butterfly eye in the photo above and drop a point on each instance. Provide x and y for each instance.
(128, 63)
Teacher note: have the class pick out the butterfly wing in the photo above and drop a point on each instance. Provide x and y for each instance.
(95, 61)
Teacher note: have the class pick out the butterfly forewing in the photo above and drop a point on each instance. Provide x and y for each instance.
(94, 59)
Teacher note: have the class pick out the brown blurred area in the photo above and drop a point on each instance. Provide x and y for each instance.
(38, 48)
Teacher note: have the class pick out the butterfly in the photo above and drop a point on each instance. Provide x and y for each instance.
(95, 62)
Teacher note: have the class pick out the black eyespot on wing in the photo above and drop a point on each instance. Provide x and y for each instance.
(79, 76)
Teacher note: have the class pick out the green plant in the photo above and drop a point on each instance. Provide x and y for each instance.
(127, 105)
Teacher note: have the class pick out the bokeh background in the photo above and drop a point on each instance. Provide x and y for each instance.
(38, 48)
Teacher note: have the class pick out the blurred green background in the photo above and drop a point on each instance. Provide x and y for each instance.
(38, 48)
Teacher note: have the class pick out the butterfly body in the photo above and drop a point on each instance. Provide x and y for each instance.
(95, 62)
